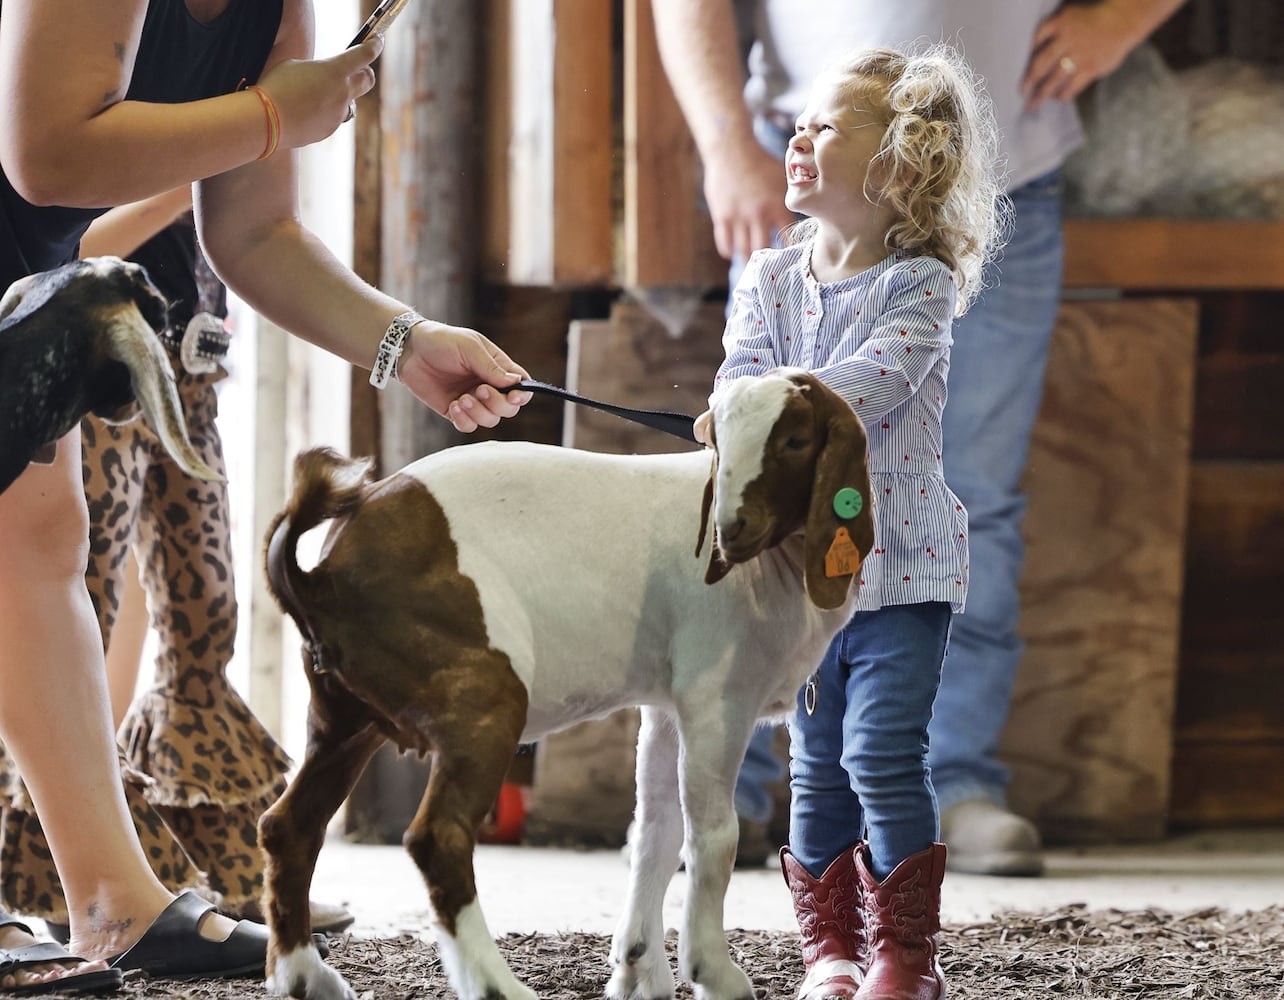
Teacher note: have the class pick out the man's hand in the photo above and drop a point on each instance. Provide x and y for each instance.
(461, 375)
(745, 193)
(1081, 43)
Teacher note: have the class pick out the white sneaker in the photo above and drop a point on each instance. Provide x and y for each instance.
(985, 839)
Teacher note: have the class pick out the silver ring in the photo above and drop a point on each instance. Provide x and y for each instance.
(352, 111)
(1068, 65)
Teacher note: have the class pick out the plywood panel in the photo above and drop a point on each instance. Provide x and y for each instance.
(1090, 735)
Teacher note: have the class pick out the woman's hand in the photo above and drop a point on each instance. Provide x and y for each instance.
(312, 95)
(460, 375)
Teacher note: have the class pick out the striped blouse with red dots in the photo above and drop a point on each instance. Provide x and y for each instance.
(881, 339)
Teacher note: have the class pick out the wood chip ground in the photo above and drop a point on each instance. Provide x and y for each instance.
(1072, 952)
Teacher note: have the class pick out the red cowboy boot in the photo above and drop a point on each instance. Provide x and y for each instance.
(831, 918)
(902, 919)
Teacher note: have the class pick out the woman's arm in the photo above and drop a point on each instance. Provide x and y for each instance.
(123, 230)
(253, 236)
(71, 139)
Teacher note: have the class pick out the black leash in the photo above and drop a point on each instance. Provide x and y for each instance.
(678, 424)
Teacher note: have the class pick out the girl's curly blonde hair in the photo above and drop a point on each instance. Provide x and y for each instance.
(939, 156)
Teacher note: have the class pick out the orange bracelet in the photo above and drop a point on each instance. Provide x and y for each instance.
(273, 121)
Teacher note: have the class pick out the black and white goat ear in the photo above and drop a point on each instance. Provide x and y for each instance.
(840, 523)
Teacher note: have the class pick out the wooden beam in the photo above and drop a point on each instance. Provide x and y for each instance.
(668, 237)
(1166, 254)
(547, 176)
(363, 414)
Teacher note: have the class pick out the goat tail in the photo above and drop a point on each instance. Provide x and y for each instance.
(326, 485)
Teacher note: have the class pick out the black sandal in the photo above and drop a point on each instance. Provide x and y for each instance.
(47, 953)
(173, 948)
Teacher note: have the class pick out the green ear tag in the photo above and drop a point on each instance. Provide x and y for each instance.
(848, 503)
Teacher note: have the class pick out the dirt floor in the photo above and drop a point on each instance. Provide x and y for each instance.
(1112, 955)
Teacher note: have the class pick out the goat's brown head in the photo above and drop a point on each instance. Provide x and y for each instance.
(789, 456)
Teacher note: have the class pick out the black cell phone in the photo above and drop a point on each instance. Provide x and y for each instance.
(379, 21)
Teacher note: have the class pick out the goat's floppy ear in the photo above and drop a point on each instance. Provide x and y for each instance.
(840, 515)
(718, 568)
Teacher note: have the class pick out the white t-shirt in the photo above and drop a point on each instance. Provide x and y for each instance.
(796, 39)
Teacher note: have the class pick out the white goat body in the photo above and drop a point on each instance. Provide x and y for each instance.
(590, 582)
(493, 593)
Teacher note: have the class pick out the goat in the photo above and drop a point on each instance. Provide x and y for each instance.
(83, 338)
(492, 593)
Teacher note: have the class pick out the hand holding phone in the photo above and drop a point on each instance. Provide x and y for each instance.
(379, 21)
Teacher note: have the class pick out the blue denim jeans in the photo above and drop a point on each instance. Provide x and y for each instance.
(859, 761)
(997, 365)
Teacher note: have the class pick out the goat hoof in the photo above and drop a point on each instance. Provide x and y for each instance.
(303, 975)
(734, 985)
(629, 982)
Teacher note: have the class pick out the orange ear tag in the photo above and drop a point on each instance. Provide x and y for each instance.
(843, 558)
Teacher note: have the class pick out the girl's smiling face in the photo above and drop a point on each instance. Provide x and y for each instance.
(829, 163)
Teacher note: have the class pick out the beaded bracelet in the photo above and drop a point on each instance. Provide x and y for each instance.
(390, 348)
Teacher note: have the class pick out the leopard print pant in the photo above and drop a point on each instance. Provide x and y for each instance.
(210, 767)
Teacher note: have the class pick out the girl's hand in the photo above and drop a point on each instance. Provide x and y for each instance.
(704, 428)
(456, 371)
(312, 95)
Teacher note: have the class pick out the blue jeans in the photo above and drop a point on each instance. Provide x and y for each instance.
(997, 365)
(859, 761)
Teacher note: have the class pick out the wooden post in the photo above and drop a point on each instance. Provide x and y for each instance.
(429, 114)
(668, 238)
(547, 169)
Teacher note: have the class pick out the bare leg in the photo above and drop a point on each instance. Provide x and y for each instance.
(51, 671)
(125, 653)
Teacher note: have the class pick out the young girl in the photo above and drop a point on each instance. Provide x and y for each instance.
(893, 163)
